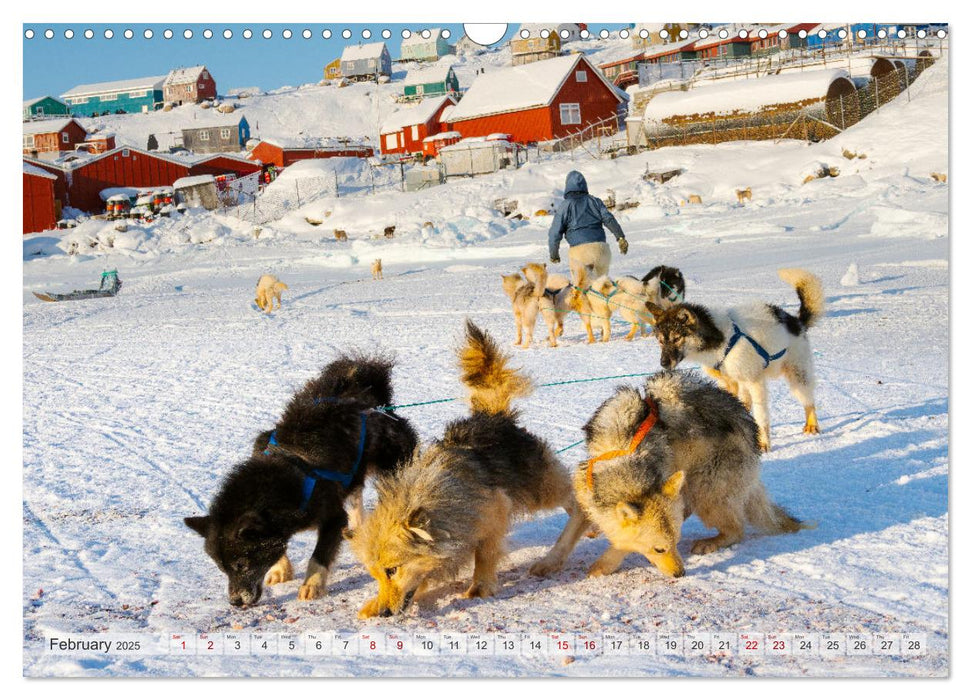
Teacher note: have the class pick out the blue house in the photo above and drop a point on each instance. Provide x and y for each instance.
(119, 96)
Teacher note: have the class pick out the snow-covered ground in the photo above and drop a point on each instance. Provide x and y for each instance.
(135, 407)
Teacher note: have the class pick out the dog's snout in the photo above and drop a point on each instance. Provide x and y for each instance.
(386, 612)
(678, 573)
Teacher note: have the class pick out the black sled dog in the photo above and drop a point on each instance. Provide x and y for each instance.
(331, 436)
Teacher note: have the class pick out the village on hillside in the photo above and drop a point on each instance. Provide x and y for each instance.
(154, 146)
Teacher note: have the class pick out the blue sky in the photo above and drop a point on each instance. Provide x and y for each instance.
(53, 66)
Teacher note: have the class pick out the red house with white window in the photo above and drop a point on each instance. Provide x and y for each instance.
(52, 135)
(405, 130)
(537, 101)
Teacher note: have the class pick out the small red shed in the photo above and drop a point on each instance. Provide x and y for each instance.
(52, 135)
(537, 101)
(404, 131)
(280, 154)
(221, 164)
(40, 210)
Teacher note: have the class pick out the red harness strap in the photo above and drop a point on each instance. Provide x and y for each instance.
(642, 430)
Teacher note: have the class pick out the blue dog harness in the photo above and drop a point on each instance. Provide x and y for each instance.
(738, 334)
(312, 476)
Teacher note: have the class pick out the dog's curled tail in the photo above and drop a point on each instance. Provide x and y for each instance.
(536, 274)
(282, 285)
(770, 518)
(810, 290)
(485, 369)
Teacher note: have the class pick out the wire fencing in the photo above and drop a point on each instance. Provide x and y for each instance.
(821, 119)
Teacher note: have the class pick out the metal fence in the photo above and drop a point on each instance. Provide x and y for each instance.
(269, 202)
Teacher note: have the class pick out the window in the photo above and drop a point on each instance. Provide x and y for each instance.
(65, 137)
(204, 75)
(40, 111)
(204, 135)
(570, 113)
(581, 76)
(419, 89)
(111, 97)
(225, 133)
(125, 153)
(414, 133)
(28, 140)
(391, 141)
(138, 93)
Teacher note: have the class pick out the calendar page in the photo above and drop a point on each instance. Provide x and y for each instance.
(431, 349)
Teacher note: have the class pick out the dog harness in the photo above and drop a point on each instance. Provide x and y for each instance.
(311, 475)
(738, 334)
(642, 430)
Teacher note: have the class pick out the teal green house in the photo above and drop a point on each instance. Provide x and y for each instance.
(426, 45)
(431, 81)
(43, 107)
(119, 96)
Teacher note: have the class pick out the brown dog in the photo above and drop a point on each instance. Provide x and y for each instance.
(744, 194)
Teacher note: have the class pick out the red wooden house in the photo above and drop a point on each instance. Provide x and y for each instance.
(271, 152)
(52, 135)
(189, 85)
(40, 210)
(537, 101)
(222, 164)
(122, 167)
(404, 131)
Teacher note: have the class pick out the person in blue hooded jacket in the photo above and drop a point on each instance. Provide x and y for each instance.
(581, 218)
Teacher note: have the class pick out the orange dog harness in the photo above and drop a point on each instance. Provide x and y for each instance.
(642, 430)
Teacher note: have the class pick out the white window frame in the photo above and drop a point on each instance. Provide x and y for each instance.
(567, 110)
(414, 132)
(111, 97)
(390, 141)
(40, 110)
(125, 153)
(581, 76)
(28, 140)
(65, 137)
(204, 135)
(225, 133)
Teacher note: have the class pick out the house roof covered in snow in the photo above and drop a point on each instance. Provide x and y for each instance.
(436, 73)
(31, 103)
(746, 96)
(520, 87)
(419, 114)
(535, 29)
(208, 119)
(193, 181)
(150, 83)
(362, 51)
(416, 39)
(308, 143)
(49, 126)
(39, 172)
(180, 76)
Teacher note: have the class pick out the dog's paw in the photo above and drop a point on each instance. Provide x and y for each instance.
(372, 608)
(811, 429)
(545, 567)
(281, 572)
(311, 591)
(482, 589)
(707, 545)
(598, 569)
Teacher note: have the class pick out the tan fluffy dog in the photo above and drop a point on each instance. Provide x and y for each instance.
(268, 289)
(525, 295)
(744, 194)
(377, 272)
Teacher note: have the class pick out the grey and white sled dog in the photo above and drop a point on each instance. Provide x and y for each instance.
(745, 346)
(684, 446)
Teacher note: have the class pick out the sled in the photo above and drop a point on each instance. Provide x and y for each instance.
(110, 284)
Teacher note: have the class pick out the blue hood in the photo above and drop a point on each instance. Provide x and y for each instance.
(575, 183)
